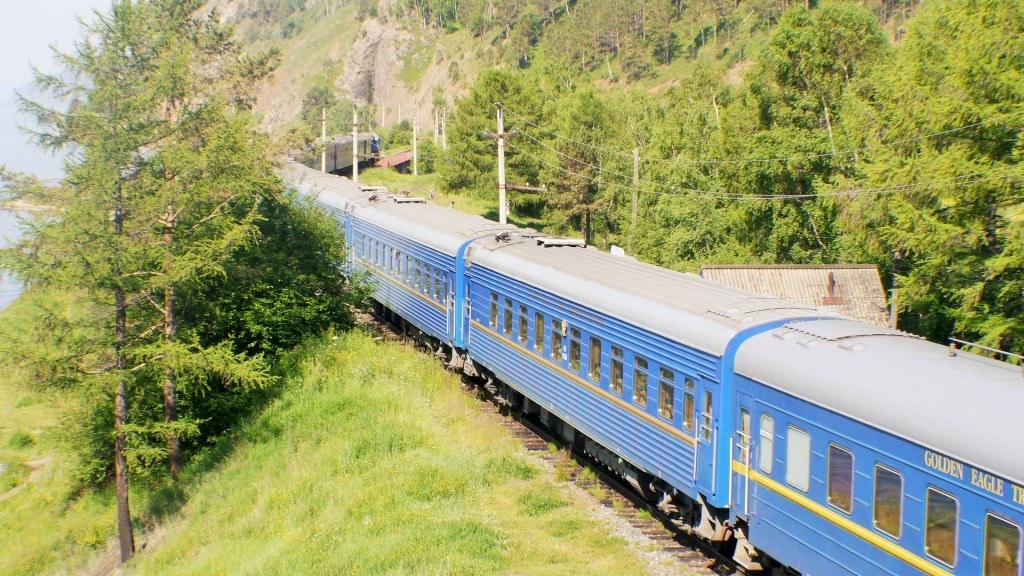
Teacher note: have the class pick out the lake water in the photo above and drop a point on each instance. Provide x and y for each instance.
(9, 231)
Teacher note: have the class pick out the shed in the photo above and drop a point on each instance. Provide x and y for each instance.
(853, 290)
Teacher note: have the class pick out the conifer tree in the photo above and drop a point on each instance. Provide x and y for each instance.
(164, 185)
(942, 123)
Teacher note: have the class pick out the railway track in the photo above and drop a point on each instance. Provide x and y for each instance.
(663, 532)
(612, 493)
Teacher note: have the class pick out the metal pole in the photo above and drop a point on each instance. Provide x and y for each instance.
(415, 149)
(355, 146)
(323, 140)
(893, 308)
(502, 204)
(636, 181)
(636, 200)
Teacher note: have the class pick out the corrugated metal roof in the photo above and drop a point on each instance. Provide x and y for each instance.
(853, 290)
(395, 159)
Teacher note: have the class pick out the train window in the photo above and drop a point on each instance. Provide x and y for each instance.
(425, 287)
(743, 440)
(524, 323)
(888, 500)
(408, 270)
(798, 458)
(940, 526)
(1002, 547)
(574, 349)
(666, 392)
(437, 286)
(706, 416)
(767, 451)
(616, 379)
(508, 318)
(417, 276)
(556, 340)
(688, 405)
(640, 381)
(366, 247)
(494, 310)
(595, 360)
(840, 478)
(538, 332)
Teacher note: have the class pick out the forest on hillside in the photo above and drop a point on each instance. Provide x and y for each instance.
(765, 131)
(843, 140)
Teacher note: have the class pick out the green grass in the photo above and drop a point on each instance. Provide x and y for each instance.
(371, 461)
(420, 186)
(374, 462)
(43, 526)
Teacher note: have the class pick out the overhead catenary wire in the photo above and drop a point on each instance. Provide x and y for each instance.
(960, 180)
(838, 153)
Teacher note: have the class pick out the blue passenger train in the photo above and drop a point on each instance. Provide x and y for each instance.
(820, 444)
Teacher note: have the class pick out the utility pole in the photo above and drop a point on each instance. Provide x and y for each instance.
(502, 199)
(636, 182)
(636, 191)
(502, 188)
(897, 256)
(355, 146)
(444, 129)
(415, 148)
(323, 139)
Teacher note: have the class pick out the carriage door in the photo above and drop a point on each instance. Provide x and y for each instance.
(449, 301)
(741, 457)
(706, 464)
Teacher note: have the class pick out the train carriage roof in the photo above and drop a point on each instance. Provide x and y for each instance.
(962, 405)
(330, 190)
(684, 307)
(440, 228)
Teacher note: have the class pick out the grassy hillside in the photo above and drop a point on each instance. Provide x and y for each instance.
(374, 462)
(371, 461)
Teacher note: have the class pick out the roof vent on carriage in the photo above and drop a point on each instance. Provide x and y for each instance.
(551, 242)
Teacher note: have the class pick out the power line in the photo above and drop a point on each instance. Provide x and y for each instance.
(848, 152)
(960, 180)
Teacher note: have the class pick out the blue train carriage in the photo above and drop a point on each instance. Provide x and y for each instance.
(862, 450)
(335, 195)
(625, 358)
(408, 248)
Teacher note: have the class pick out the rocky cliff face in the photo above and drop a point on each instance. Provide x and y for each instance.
(363, 60)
